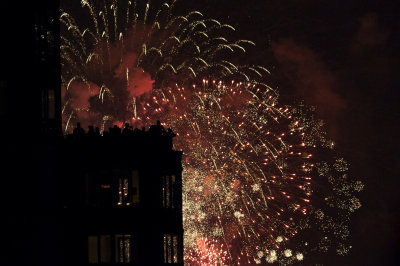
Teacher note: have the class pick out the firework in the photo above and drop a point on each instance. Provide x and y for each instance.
(261, 183)
(251, 182)
(125, 51)
(207, 253)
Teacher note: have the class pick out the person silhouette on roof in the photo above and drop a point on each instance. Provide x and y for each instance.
(78, 131)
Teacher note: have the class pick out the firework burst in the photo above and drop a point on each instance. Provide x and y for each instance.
(124, 51)
(261, 183)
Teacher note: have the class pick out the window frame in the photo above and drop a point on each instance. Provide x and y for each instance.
(171, 244)
(168, 187)
(106, 248)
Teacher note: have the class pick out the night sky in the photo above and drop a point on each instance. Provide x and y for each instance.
(342, 57)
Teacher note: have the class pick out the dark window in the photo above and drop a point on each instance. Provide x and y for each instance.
(93, 249)
(51, 108)
(50, 39)
(44, 104)
(105, 248)
(48, 104)
(100, 248)
(3, 86)
(135, 186)
(99, 189)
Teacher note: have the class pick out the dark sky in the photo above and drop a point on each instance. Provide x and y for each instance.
(343, 57)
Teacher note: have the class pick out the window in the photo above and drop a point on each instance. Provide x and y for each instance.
(128, 189)
(93, 253)
(135, 186)
(99, 189)
(100, 248)
(168, 191)
(48, 104)
(171, 246)
(123, 193)
(45, 29)
(105, 248)
(3, 86)
(51, 108)
(123, 248)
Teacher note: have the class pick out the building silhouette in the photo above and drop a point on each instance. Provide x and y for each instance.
(30, 132)
(122, 197)
(62, 195)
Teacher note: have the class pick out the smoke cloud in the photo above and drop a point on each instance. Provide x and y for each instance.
(311, 78)
(369, 34)
(114, 67)
(139, 82)
(80, 93)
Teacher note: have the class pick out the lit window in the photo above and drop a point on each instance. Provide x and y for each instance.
(128, 189)
(123, 193)
(171, 246)
(123, 248)
(168, 195)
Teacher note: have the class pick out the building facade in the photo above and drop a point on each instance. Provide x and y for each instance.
(71, 201)
(122, 198)
(30, 131)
